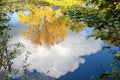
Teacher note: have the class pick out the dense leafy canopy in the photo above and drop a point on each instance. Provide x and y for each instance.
(104, 18)
(43, 27)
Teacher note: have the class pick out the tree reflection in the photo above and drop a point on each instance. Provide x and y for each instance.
(44, 25)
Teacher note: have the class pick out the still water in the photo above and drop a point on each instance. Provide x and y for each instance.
(76, 58)
(92, 67)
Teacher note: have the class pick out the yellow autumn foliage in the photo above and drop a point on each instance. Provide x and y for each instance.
(45, 25)
(66, 3)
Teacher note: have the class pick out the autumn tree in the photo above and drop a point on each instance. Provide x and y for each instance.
(45, 25)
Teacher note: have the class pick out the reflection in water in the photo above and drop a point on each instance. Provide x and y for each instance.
(35, 76)
(45, 25)
(59, 59)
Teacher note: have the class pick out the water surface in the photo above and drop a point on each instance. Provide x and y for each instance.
(76, 58)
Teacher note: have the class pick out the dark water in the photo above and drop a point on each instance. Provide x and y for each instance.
(94, 65)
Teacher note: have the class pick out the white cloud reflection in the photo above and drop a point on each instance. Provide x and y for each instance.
(58, 59)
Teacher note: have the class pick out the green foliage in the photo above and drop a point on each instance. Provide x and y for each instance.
(107, 28)
(25, 66)
(104, 4)
(105, 20)
(117, 55)
(108, 21)
(7, 52)
(43, 3)
(103, 16)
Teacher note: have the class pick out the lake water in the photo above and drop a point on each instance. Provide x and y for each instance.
(76, 58)
(92, 67)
